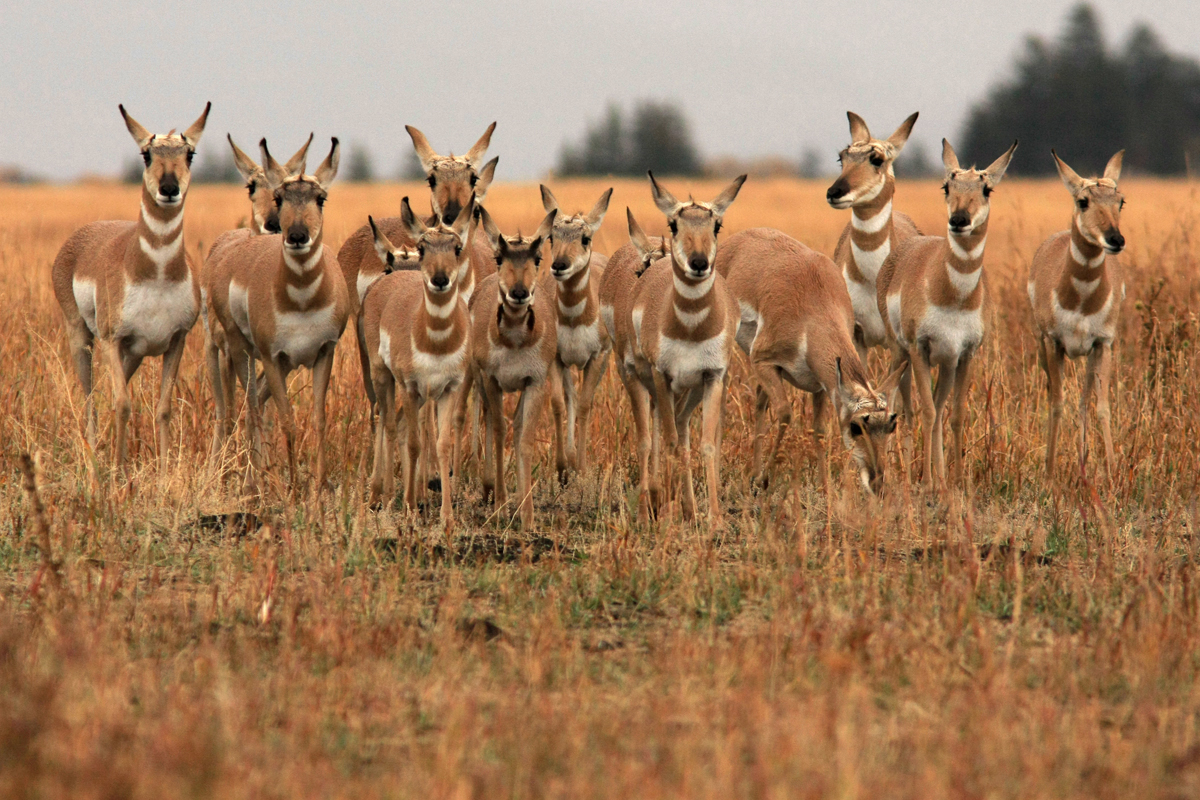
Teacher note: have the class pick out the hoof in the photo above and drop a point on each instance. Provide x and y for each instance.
(435, 484)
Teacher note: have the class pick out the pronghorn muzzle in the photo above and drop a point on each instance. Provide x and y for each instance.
(960, 221)
(297, 236)
(837, 191)
(1114, 242)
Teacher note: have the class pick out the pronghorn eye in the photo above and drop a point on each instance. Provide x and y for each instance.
(876, 161)
(674, 228)
(1083, 204)
(457, 250)
(855, 430)
(587, 241)
(987, 190)
(716, 227)
(146, 157)
(432, 181)
(320, 202)
(191, 154)
(1122, 204)
(839, 158)
(251, 186)
(420, 251)
(474, 180)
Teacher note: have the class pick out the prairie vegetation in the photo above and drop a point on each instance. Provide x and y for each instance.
(1025, 637)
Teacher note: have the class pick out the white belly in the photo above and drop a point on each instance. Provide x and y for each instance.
(747, 326)
(1079, 333)
(516, 369)
(686, 363)
(950, 332)
(434, 375)
(579, 344)
(300, 335)
(866, 311)
(154, 312)
(239, 309)
(85, 301)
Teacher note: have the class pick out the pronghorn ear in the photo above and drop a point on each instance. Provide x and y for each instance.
(726, 198)
(543, 231)
(1113, 170)
(493, 233)
(665, 201)
(421, 145)
(298, 163)
(383, 246)
(893, 379)
(275, 173)
(949, 159)
(549, 202)
(329, 167)
(858, 129)
(1070, 177)
(898, 138)
(413, 224)
(596, 215)
(996, 169)
(136, 129)
(641, 242)
(476, 153)
(245, 165)
(192, 135)
(485, 179)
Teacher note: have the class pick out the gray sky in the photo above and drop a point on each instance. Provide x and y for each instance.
(754, 78)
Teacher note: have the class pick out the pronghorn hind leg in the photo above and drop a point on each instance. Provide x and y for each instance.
(772, 394)
(277, 382)
(162, 414)
(82, 355)
(1051, 358)
(819, 401)
(414, 475)
(714, 391)
(322, 369)
(958, 415)
(1103, 373)
(380, 471)
(924, 380)
(592, 374)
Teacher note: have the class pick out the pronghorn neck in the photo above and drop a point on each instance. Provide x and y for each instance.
(515, 324)
(159, 242)
(871, 221)
(574, 297)
(439, 328)
(301, 277)
(1084, 273)
(964, 261)
(692, 303)
(1082, 255)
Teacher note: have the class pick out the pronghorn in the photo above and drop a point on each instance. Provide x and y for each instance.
(682, 323)
(1076, 289)
(453, 181)
(797, 325)
(418, 326)
(931, 296)
(866, 187)
(264, 219)
(513, 347)
(583, 341)
(131, 285)
(281, 300)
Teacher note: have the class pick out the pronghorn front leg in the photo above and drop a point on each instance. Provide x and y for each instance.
(820, 440)
(568, 457)
(216, 378)
(121, 403)
(445, 450)
(664, 403)
(382, 480)
(958, 414)
(276, 382)
(921, 375)
(1052, 362)
(493, 445)
(710, 445)
(83, 353)
(162, 414)
(529, 409)
(414, 475)
(592, 374)
(320, 373)
(945, 386)
(1103, 377)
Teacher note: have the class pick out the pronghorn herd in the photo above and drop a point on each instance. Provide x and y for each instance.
(451, 314)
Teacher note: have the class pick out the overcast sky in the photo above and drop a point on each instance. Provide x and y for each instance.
(754, 78)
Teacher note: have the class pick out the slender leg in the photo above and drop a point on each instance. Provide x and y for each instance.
(592, 374)
(445, 450)
(639, 400)
(122, 403)
(709, 446)
(493, 473)
(364, 360)
(162, 415)
(462, 399)
(529, 409)
(380, 474)
(413, 475)
(958, 414)
(276, 380)
(683, 450)
(82, 343)
(945, 386)
(820, 401)
(924, 381)
(1052, 361)
(386, 402)
(213, 357)
(668, 434)
(771, 393)
(1103, 373)
(569, 453)
(322, 368)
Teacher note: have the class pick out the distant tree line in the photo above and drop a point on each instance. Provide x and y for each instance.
(654, 136)
(1087, 102)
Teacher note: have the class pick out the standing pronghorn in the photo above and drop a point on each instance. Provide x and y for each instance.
(797, 325)
(418, 325)
(513, 347)
(264, 219)
(453, 182)
(130, 284)
(866, 187)
(281, 300)
(931, 296)
(682, 322)
(1076, 289)
(583, 341)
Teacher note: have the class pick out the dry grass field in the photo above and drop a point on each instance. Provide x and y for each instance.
(1024, 637)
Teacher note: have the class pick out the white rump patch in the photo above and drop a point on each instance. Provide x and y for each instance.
(85, 301)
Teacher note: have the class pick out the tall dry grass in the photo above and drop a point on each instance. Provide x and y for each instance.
(1022, 638)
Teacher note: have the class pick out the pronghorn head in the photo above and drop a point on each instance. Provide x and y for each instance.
(453, 180)
(866, 424)
(968, 190)
(264, 216)
(1098, 203)
(395, 259)
(649, 250)
(571, 237)
(441, 249)
(168, 157)
(300, 199)
(867, 164)
(518, 259)
(694, 226)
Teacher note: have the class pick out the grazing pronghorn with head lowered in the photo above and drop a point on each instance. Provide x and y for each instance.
(281, 300)
(583, 341)
(264, 219)
(931, 296)
(513, 347)
(797, 325)
(130, 285)
(418, 324)
(866, 187)
(1076, 288)
(681, 328)
(453, 182)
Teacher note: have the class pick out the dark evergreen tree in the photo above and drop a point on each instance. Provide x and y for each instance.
(656, 138)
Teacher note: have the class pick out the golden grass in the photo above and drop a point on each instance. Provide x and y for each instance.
(1024, 638)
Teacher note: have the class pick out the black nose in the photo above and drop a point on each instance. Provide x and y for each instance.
(698, 263)
(450, 213)
(1115, 240)
(836, 191)
(959, 220)
(518, 292)
(440, 280)
(272, 224)
(297, 236)
(168, 189)
(560, 266)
